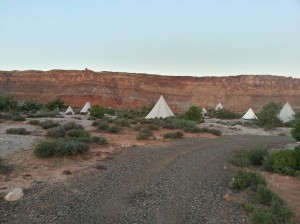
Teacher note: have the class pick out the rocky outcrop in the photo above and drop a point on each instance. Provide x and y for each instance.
(126, 90)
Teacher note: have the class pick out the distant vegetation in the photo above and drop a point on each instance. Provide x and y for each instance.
(268, 116)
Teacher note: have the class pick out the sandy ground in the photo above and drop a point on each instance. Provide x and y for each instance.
(17, 152)
(28, 170)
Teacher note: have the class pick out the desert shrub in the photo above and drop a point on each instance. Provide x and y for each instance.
(97, 112)
(213, 131)
(56, 132)
(78, 133)
(267, 164)
(248, 206)
(60, 147)
(18, 118)
(296, 130)
(17, 131)
(96, 123)
(4, 168)
(256, 156)
(29, 105)
(267, 117)
(241, 159)
(153, 127)
(284, 162)
(179, 124)
(194, 113)
(261, 216)
(72, 125)
(144, 134)
(174, 135)
(34, 122)
(42, 114)
(246, 178)
(114, 129)
(226, 114)
(103, 125)
(55, 104)
(264, 195)
(137, 127)
(99, 140)
(123, 122)
(7, 103)
(48, 124)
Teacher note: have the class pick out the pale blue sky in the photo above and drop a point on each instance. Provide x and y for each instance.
(184, 37)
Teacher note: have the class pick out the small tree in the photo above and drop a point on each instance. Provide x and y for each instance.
(194, 113)
(296, 131)
(97, 112)
(268, 117)
(7, 103)
(55, 104)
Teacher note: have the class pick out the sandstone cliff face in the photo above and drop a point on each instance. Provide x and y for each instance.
(124, 90)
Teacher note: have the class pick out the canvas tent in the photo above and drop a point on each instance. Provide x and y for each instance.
(160, 110)
(249, 115)
(286, 113)
(219, 106)
(86, 107)
(69, 110)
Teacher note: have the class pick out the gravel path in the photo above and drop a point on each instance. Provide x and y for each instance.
(180, 183)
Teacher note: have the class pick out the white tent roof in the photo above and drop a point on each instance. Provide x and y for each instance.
(161, 109)
(286, 113)
(249, 115)
(86, 107)
(219, 106)
(204, 111)
(69, 110)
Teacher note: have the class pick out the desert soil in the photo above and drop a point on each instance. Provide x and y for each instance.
(129, 180)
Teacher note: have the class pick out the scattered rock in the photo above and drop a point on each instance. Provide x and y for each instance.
(225, 168)
(14, 195)
(66, 172)
(227, 197)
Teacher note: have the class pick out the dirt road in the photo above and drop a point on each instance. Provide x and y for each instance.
(183, 182)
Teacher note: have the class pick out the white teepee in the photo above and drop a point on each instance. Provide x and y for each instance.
(69, 110)
(286, 113)
(161, 109)
(204, 111)
(219, 106)
(86, 107)
(249, 115)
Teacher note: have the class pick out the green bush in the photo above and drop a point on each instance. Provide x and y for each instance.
(194, 113)
(296, 130)
(56, 132)
(144, 134)
(78, 133)
(267, 163)
(72, 125)
(42, 114)
(7, 103)
(262, 216)
(114, 129)
(55, 104)
(60, 147)
(248, 206)
(4, 168)
(122, 122)
(264, 195)
(48, 124)
(29, 105)
(284, 162)
(256, 156)
(97, 112)
(99, 140)
(34, 122)
(174, 135)
(268, 116)
(241, 159)
(213, 131)
(153, 127)
(17, 131)
(103, 125)
(225, 114)
(96, 123)
(18, 118)
(246, 178)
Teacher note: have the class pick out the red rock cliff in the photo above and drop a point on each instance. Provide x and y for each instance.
(124, 90)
